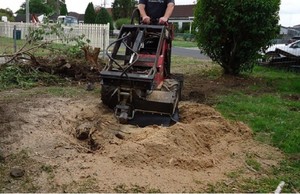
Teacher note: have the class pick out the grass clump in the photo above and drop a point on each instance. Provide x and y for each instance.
(122, 188)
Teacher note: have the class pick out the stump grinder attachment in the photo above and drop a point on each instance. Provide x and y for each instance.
(137, 82)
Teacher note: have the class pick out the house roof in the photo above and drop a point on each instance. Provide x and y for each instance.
(80, 17)
(109, 10)
(20, 18)
(183, 11)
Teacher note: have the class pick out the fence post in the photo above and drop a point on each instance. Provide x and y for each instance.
(105, 33)
(103, 43)
(15, 38)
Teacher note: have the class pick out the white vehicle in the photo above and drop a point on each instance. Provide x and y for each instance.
(4, 18)
(290, 49)
(61, 19)
(67, 20)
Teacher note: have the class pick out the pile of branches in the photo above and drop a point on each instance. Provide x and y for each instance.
(78, 62)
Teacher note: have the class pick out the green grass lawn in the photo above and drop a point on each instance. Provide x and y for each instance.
(7, 45)
(185, 44)
(274, 116)
(276, 112)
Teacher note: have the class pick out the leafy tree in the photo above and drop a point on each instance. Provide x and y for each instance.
(103, 17)
(63, 10)
(22, 9)
(231, 32)
(123, 8)
(89, 16)
(56, 5)
(8, 13)
(39, 6)
(36, 6)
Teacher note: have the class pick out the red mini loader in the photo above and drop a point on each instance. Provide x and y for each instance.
(137, 82)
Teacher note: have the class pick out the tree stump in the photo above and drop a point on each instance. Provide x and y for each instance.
(91, 55)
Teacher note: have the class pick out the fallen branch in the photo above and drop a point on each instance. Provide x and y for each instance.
(22, 51)
(250, 168)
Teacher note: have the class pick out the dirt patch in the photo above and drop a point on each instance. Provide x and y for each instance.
(204, 90)
(201, 149)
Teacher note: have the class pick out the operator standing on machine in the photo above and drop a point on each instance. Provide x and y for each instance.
(156, 11)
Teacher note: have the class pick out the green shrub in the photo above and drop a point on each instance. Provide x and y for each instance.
(232, 32)
(120, 22)
(188, 37)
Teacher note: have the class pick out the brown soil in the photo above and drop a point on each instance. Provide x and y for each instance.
(76, 144)
(202, 149)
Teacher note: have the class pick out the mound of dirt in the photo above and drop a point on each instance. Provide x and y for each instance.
(202, 147)
(201, 140)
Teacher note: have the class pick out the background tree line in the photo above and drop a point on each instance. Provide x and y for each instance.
(48, 7)
(93, 15)
(120, 9)
(230, 32)
(8, 13)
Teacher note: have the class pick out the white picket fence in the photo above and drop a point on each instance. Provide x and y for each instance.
(98, 34)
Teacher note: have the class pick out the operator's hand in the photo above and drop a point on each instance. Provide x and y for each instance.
(146, 19)
(162, 20)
